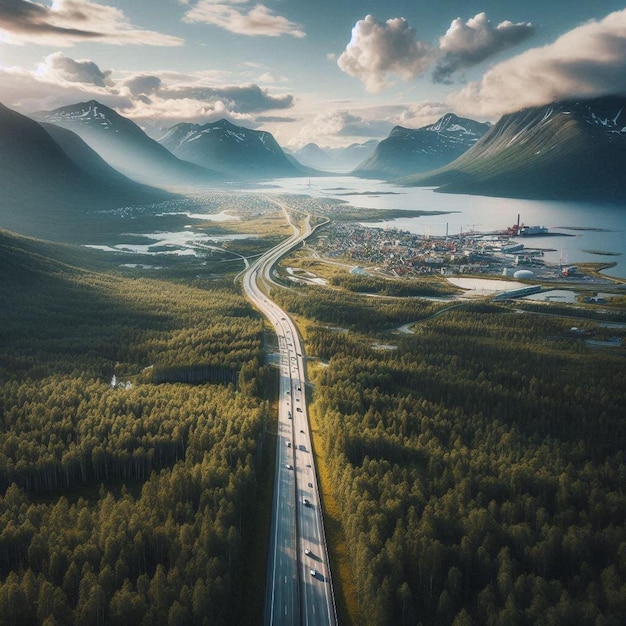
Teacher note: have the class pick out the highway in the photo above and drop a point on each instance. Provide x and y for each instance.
(299, 587)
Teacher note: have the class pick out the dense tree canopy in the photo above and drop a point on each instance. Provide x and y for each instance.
(480, 467)
(159, 482)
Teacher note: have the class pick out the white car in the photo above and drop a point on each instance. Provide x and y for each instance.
(289, 466)
(314, 573)
(307, 552)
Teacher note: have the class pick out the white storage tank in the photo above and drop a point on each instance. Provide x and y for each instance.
(524, 274)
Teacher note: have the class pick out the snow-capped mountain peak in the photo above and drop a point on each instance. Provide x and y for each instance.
(408, 150)
(231, 149)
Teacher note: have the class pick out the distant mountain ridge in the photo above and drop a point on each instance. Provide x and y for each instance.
(343, 159)
(232, 150)
(126, 146)
(569, 150)
(407, 151)
(49, 179)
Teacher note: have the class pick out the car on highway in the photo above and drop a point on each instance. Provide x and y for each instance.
(307, 552)
(310, 484)
(289, 466)
(306, 502)
(289, 414)
(288, 444)
(314, 573)
(298, 409)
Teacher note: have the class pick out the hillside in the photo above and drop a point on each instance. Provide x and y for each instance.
(87, 159)
(234, 151)
(112, 458)
(44, 189)
(406, 151)
(126, 147)
(571, 150)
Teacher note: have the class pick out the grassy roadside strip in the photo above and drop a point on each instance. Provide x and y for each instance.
(343, 583)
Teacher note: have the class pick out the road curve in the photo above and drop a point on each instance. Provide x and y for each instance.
(299, 587)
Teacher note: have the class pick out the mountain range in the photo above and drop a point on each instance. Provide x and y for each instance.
(407, 151)
(570, 150)
(233, 151)
(50, 178)
(335, 159)
(126, 146)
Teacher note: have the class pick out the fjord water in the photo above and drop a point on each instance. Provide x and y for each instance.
(593, 228)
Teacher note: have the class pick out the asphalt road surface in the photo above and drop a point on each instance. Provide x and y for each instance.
(299, 588)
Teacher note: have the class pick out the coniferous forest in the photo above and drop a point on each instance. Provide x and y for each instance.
(124, 501)
(478, 461)
(479, 465)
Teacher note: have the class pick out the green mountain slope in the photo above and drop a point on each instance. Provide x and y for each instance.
(407, 151)
(126, 147)
(565, 150)
(232, 150)
(45, 192)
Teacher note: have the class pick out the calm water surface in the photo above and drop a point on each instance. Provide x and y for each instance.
(598, 230)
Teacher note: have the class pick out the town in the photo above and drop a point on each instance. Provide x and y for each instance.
(401, 253)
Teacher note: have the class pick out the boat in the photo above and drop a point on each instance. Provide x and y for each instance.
(531, 231)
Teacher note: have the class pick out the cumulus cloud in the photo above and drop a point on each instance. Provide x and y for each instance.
(338, 127)
(343, 126)
(237, 16)
(419, 114)
(169, 112)
(377, 51)
(142, 84)
(468, 43)
(588, 61)
(45, 88)
(67, 22)
(380, 49)
(239, 98)
(59, 66)
(198, 97)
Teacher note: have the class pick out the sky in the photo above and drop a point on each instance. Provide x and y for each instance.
(333, 72)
